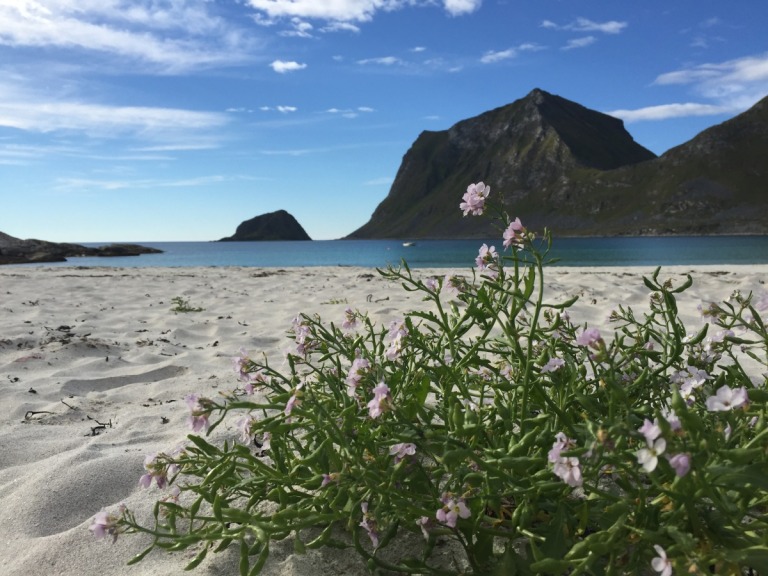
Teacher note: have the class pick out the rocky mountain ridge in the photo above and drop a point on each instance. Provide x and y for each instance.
(557, 164)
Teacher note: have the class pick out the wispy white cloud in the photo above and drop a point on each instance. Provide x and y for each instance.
(499, 55)
(579, 42)
(340, 27)
(289, 152)
(729, 87)
(384, 61)
(666, 111)
(280, 108)
(281, 67)
(167, 35)
(348, 10)
(587, 25)
(300, 29)
(180, 147)
(702, 35)
(26, 110)
(349, 112)
(417, 49)
(105, 185)
(729, 77)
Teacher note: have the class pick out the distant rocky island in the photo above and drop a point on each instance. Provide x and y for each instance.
(578, 172)
(279, 225)
(17, 251)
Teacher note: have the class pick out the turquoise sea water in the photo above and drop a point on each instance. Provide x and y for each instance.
(443, 253)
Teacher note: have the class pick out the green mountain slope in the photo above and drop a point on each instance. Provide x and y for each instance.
(578, 172)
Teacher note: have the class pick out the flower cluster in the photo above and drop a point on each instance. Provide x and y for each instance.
(489, 419)
(473, 201)
(567, 468)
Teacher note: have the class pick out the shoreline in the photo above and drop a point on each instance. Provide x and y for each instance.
(94, 367)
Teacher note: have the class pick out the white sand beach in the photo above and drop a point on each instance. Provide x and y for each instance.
(94, 368)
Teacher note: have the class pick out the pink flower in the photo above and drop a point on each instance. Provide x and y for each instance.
(400, 451)
(432, 284)
(295, 399)
(350, 319)
(513, 235)
(303, 337)
(368, 523)
(568, 469)
(689, 379)
(329, 478)
(487, 259)
(200, 409)
(552, 365)
(397, 335)
(589, 337)
(727, 399)
(562, 444)
(105, 524)
(381, 401)
(452, 510)
(474, 199)
(158, 470)
(650, 430)
(453, 285)
(648, 457)
(359, 367)
(246, 425)
(241, 365)
(661, 563)
(672, 419)
(681, 463)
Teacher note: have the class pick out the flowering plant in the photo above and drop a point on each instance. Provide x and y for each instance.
(492, 422)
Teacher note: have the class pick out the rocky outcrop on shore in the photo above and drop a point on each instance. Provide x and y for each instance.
(17, 251)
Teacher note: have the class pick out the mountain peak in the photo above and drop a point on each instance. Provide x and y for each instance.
(558, 164)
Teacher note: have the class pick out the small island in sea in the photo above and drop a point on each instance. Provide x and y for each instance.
(279, 225)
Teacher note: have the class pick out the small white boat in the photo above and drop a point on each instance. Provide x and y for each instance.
(406, 244)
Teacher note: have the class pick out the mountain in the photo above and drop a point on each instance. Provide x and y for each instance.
(278, 225)
(17, 251)
(557, 164)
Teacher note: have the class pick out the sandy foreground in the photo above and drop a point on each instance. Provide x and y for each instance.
(80, 347)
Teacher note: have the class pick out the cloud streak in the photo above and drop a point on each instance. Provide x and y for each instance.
(492, 56)
(26, 111)
(586, 25)
(168, 35)
(731, 87)
(582, 42)
(667, 111)
(347, 11)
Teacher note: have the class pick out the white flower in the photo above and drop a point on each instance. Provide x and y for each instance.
(569, 470)
(661, 563)
(648, 458)
(727, 399)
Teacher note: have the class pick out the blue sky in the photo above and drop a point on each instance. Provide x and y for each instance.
(153, 120)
